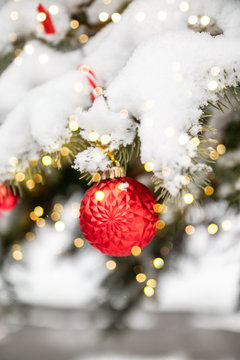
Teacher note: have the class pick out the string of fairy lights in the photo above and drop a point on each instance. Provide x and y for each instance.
(37, 215)
(149, 283)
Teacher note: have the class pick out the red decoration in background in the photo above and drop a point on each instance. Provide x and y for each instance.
(47, 23)
(117, 215)
(7, 199)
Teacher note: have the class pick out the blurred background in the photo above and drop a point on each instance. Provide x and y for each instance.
(60, 299)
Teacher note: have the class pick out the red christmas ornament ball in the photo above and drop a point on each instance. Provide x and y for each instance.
(117, 215)
(7, 199)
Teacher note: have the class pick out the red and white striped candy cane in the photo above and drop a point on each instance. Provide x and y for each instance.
(96, 90)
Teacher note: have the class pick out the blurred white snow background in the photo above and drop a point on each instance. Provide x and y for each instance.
(204, 281)
(206, 278)
(48, 278)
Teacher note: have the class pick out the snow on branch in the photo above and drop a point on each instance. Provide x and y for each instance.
(167, 93)
(153, 66)
(168, 79)
(35, 65)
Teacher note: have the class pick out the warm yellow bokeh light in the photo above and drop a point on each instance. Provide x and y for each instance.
(188, 198)
(111, 265)
(78, 242)
(185, 180)
(29, 236)
(58, 207)
(190, 229)
(55, 216)
(195, 141)
(226, 225)
(17, 52)
(99, 195)
(41, 16)
(20, 176)
(16, 247)
(12, 37)
(221, 149)
(75, 206)
(59, 226)
(97, 91)
(148, 291)
(205, 20)
(65, 151)
(103, 16)
(140, 16)
(116, 17)
(14, 15)
(164, 209)
(136, 251)
(34, 162)
(148, 166)
(73, 125)
(141, 277)
(38, 178)
(30, 184)
(184, 6)
(212, 229)
(53, 9)
(38, 211)
(74, 24)
(157, 208)
(83, 38)
(78, 87)
(75, 213)
(158, 263)
(18, 61)
(105, 139)
(162, 15)
(214, 155)
(152, 283)
(29, 49)
(208, 190)
(41, 222)
(193, 19)
(93, 136)
(166, 171)
(96, 177)
(212, 85)
(124, 113)
(215, 70)
(160, 224)
(13, 161)
(46, 160)
(33, 216)
(17, 255)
